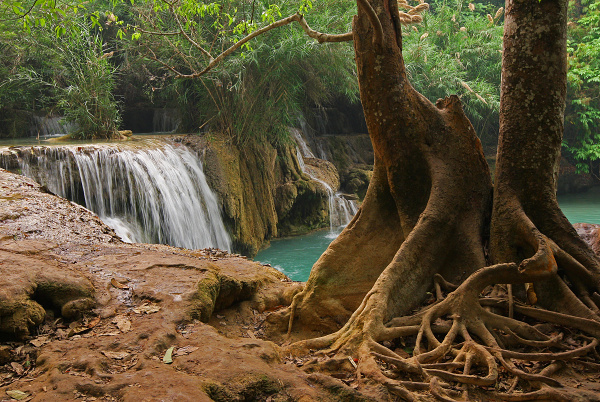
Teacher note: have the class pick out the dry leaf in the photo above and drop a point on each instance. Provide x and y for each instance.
(77, 330)
(168, 357)
(110, 333)
(146, 308)
(186, 350)
(19, 369)
(40, 341)
(122, 323)
(93, 322)
(118, 284)
(18, 395)
(115, 355)
(78, 327)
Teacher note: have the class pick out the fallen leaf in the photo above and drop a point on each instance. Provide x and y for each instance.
(251, 334)
(18, 368)
(77, 330)
(110, 333)
(18, 395)
(40, 341)
(93, 322)
(79, 327)
(115, 355)
(118, 284)
(146, 308)
(122, 323)
(186, 350)
(168, 357)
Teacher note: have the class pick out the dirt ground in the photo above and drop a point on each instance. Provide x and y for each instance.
(145, 322)
(86, 317)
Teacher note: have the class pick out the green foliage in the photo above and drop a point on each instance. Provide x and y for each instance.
(88, 99)
(582, 119)
(18, 52)
(260, 90)
(457, 50)
(31, 14)
(80, 83)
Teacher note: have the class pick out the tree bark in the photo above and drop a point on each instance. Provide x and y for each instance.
(427, 206)
(426, 218)
(532, 106)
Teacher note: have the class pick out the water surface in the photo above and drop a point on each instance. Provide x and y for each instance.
(295, 256)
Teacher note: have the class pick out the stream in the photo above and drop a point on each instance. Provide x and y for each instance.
(295, 256)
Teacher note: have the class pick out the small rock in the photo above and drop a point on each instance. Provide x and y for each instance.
(5, 354)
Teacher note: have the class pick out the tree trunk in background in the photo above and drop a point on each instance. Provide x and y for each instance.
(533, 92)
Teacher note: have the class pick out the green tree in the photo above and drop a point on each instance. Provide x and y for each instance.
(81, 83)
(458, 50)
(253, 94)
(429, 214)
(582, 128)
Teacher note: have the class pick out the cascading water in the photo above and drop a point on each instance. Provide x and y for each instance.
(165, 120)
(341, 210)
(151, 194)
(47, 126)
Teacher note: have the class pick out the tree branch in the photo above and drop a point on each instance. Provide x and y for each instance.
(185, 35)
(321, 37)
(22, 16)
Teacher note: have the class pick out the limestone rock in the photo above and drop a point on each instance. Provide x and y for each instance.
(590, 233)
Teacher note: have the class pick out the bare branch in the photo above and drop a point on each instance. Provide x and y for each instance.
(186, 36)
(213, 62)
(23, 15)
(323, 37)
(152, 56)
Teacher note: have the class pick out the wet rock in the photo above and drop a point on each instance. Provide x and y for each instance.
(356, 180)
(569, 181)
(5, 354)
(590, 233)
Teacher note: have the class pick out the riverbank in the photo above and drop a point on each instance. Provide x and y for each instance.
(87, 317)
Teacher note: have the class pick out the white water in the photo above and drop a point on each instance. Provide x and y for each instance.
(49, 126)
(165, 121)
(341, 210)
(155, 194)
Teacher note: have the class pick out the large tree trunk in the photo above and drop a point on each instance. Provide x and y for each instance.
(426, 218)
(526, 214)
(428, 202)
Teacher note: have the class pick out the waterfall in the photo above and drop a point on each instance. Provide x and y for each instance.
(47, 126)
(341, 209)
(156, 194)
(165, 120)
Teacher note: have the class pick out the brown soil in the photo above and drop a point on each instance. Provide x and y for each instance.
(127, 305)
(86, 317)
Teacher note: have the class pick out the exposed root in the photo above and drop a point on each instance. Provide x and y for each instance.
(458, 344)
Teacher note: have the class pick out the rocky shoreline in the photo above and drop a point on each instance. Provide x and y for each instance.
(84, 316)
